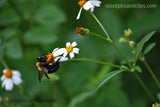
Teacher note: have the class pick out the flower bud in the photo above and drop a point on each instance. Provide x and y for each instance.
(156, 105)
(122, 40)
(82, 31)
(128, 33)
(131, 44)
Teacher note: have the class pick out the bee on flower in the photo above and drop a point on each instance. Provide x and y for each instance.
(49, 63)
(88, 5)
(9, 78)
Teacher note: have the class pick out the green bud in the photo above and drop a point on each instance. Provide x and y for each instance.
(132, 44)
(128, 33)
(122, 40)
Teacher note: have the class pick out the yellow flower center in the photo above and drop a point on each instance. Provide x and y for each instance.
(69, 48)
(8, 74)
(50, 57)
(82, 2)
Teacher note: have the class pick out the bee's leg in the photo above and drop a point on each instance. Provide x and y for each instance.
(45, 72)
(40, 76)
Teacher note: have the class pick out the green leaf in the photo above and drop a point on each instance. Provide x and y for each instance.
(142, 42)
(39, 35)
(14, 49)
(10, 32)
(107, 77)
(50, 16)
(8, 17)
(138, 68)
(149, 48)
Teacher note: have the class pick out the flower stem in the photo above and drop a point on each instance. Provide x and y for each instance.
(151, 72)
(4, 63)
(144, 86)
(101, 26)
(13, 5)
(100, 62)
(99, 36)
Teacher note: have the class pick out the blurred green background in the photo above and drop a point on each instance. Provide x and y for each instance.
(30, 28)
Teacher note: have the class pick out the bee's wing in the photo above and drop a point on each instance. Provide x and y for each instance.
(45, 71)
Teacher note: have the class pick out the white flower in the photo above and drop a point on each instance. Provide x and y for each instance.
(70, 49)
(88, 5)
(9, 78)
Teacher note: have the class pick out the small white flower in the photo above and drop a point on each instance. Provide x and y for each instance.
(9, 78)
(70, 49)
(88, 5)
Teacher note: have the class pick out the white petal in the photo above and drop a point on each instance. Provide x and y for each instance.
(67, 44)
(79, 13)
(61, 59)
(88, 5)
(76, 50)
(4, 70)
(71, 55)
(54, 50)
(95, 3)
(59, 52)
(4, 83)
(74, 44)
(16, 73)
(65, 54)
(2, 78)
(92, 9)
(9, 85)
(17, 80)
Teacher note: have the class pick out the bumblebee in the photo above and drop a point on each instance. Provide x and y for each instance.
(47, 65)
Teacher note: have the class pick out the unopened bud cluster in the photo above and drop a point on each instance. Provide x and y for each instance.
(82, 31)
(128, 34)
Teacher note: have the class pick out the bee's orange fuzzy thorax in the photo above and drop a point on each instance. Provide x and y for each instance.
(50, 58)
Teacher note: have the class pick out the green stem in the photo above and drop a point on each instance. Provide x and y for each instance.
(151, 72)
(144, 86)
(13, 5)
(4, 63)
(101, 26)
(99, 36)
(90, 60)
